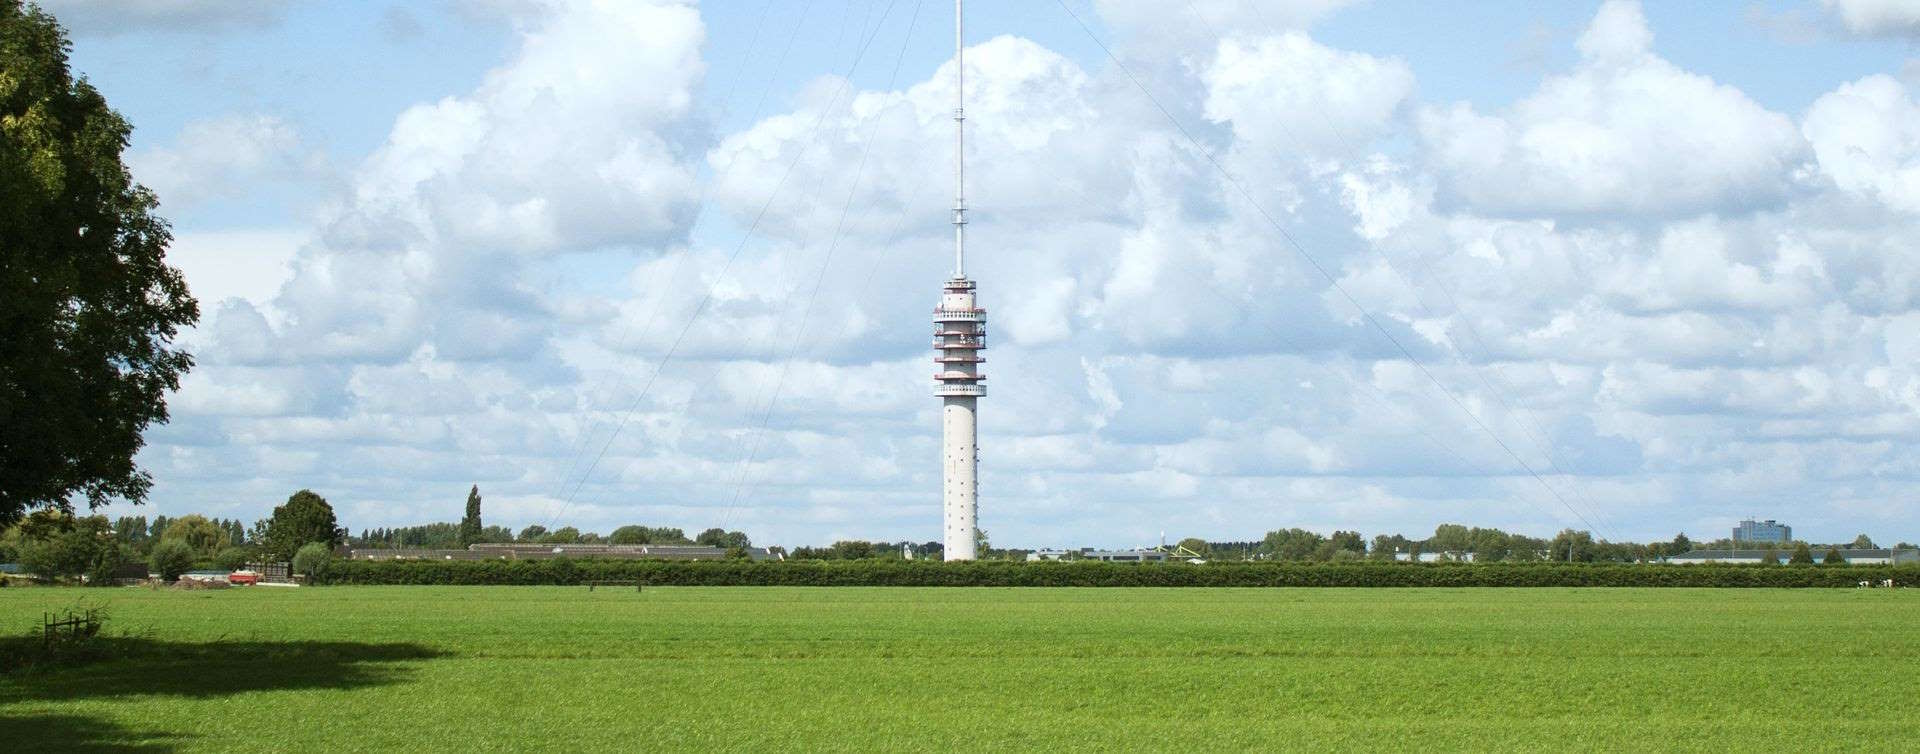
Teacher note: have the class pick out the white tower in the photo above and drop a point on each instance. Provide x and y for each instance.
(959, 334)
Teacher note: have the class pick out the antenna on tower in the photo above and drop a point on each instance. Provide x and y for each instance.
(959, 144)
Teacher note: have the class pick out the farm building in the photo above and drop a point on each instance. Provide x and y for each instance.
(542, 551)
(1853, 557)
(1111, 556)
(1452, 556)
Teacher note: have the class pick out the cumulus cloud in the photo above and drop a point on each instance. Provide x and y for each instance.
(1625, 131)
(1635, 276)
(1866, 136)
(1291, 93)
(1878, 17)
(581, 141)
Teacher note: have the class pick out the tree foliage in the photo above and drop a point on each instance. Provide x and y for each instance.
(1802, 555)
(202, 535)
(313, 560)
(648, 535)
(304, 519)
(232, 558)
(170, 558)
(1834, 557)
(1291, 544)
(470, 528)
(55, 544)
(718, 537)
(88, 306)
(1571, 546)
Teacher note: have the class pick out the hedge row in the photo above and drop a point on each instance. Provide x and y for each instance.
(563, 571)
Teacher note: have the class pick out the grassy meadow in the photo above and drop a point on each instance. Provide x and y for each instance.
(746, 668)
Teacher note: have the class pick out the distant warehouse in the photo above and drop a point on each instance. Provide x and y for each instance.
(1853, 557)
(544, 551)
(1109, 556)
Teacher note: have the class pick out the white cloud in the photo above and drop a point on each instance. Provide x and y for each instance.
(1878, 17)
(1866, 135)
(244, 264)
(1686, 332)
(1624, 132)
(224, 157)
(581, 140)
(1292, 94)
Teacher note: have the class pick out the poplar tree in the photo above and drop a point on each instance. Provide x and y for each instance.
(470, 527)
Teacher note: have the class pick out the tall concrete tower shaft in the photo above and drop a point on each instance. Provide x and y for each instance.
(959, 334)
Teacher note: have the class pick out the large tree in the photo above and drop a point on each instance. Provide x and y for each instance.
(305, 519)
(88, 306)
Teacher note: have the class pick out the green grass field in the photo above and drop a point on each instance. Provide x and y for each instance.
(559, 668)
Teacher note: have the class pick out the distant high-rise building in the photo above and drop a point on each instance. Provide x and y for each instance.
(1762, 531)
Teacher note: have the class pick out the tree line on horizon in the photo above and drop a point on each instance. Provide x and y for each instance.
(57, 544)
(1451, 541)
(1491, 545)
(471, 530)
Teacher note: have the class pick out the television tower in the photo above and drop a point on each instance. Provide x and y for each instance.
(959, 334)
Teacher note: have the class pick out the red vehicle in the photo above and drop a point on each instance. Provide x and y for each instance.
(244, 577)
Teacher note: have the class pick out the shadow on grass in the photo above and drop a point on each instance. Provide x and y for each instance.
(77, 733)
(126, 667)
(135, 666)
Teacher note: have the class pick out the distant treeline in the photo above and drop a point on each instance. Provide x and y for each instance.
(447, 536)
(1486, 545)
(565, 571)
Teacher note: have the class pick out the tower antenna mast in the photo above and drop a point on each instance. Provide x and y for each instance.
(959, 335)
(959, 143)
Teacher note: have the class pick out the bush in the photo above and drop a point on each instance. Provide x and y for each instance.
(232, 558)
(170, 558)
(1095, 574)
(313, 561)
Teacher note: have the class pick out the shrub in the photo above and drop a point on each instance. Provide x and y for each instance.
(170, 558)
(313, 561)
(1802, 555)
(1834, 557)
(232, 558)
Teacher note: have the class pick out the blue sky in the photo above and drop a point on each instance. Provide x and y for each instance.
(1652, 264)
